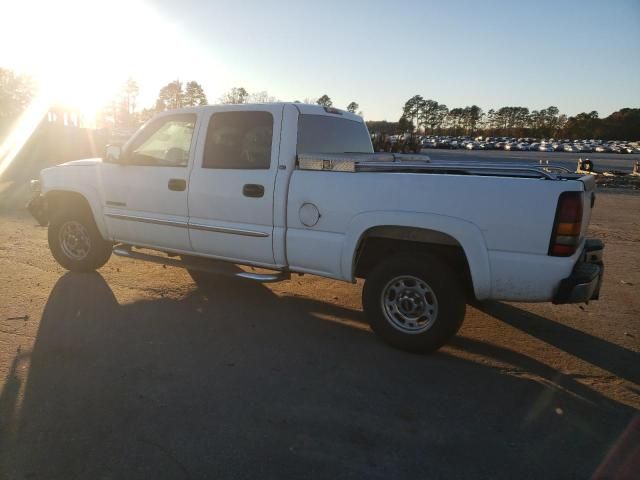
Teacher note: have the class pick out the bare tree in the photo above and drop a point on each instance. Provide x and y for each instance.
(123, 109)
(235, 95)
(262, 97)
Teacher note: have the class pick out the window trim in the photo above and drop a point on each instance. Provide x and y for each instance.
(143, 136)
(206, 137)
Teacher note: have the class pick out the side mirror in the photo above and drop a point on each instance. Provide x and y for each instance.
(113, 154)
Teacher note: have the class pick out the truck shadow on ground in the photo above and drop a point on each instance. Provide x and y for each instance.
(606, 355)
(236, 382)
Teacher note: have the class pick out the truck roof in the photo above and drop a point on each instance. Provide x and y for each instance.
(303, 108)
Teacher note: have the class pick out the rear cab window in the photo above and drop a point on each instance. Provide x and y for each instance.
(332, 134)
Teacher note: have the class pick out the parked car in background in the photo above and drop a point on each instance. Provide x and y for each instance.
(544, 145)
(584, 148)
(627, 149)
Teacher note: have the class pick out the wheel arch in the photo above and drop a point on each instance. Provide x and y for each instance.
(61, 199)
(435, 233)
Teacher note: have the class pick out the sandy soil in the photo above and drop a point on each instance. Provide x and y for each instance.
(135, 373)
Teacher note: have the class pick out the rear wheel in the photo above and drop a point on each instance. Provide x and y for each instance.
(414, 303)
(76, 242)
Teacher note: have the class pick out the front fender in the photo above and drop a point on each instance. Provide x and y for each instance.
(82, 180)
(467, 234)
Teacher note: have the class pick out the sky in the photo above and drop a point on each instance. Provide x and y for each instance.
(576, 55)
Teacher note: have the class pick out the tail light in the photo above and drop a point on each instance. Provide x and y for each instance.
(565, 237)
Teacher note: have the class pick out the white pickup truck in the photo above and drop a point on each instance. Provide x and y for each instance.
(296, 188)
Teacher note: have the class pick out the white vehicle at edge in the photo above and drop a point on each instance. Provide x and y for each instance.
(297, 189)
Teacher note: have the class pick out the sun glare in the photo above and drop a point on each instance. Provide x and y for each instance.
(21, 132)
(80, 53)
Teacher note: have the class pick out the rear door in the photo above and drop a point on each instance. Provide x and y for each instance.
(231, 187)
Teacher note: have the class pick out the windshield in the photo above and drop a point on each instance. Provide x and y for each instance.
(328, 134)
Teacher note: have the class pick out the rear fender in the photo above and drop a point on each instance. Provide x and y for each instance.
(465, 233)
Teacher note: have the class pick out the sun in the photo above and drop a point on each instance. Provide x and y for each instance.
(80, 53)
(83, 51)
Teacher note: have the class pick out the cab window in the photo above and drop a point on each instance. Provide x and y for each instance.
(330, 134)
(165, 142)
(239, 140)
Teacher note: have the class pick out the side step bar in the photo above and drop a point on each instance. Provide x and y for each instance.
(211, 267)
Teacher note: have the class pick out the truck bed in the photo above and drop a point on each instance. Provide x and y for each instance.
(391, 162)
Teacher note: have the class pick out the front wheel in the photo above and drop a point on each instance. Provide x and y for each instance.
(76, 242)
(414, 302)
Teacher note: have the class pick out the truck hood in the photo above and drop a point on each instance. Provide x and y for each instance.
(86, 162)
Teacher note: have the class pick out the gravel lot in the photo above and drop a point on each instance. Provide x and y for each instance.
(135, 373)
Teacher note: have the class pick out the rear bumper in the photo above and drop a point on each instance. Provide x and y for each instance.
(586, 278)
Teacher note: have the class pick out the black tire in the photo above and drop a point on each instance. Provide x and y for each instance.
(78, 223)
(442, 282)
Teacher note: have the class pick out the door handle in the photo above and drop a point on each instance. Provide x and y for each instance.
(177, 184)
(253, 190)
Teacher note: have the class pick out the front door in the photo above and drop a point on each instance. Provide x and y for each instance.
(145, 194)
(232, 184)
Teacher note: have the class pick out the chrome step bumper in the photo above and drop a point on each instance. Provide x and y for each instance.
(210, 267)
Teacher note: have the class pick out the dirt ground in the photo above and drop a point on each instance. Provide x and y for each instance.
(133, 372)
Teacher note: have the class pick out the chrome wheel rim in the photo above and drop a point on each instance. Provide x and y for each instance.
(74, 240)
(409, 304)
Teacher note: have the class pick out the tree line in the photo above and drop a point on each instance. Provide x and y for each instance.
(419, 115)
(122, 110)
(427, 116)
